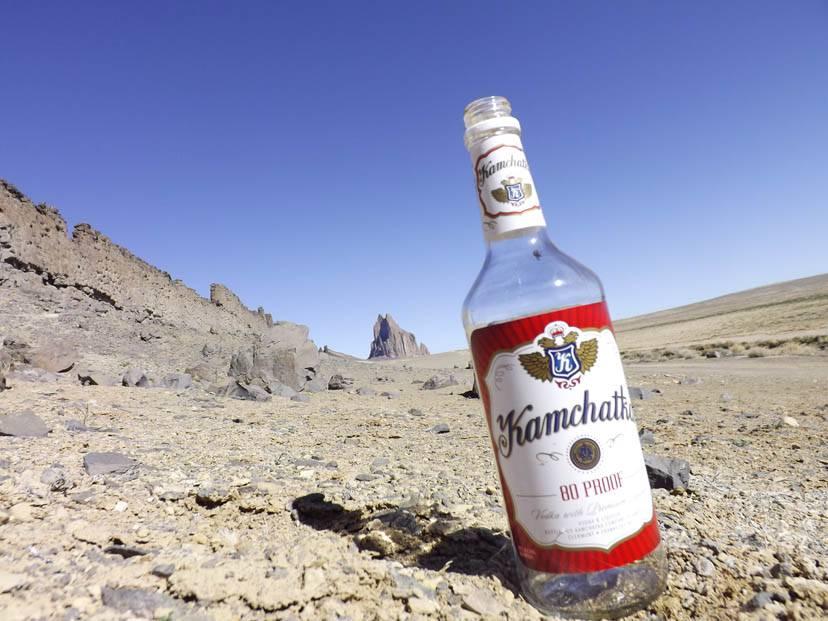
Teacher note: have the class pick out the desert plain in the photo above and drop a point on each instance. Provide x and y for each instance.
(157, 472)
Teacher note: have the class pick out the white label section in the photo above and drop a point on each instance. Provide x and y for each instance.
(566, 439)
(507, 194)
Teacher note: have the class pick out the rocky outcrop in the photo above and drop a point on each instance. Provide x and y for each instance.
(391, 341)
(100, 300)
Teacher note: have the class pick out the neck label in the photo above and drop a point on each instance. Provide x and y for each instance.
(506, 192)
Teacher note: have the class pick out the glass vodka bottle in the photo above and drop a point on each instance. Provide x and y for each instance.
(575, 487)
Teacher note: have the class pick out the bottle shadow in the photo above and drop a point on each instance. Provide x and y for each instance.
(429, 538)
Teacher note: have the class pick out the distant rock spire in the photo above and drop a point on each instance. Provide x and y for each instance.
(391, 341)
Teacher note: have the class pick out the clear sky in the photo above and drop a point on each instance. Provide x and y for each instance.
(309, 155)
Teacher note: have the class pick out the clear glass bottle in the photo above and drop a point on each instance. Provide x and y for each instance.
(524, 275)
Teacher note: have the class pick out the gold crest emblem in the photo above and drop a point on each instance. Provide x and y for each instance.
(561, 357)
(513, 191)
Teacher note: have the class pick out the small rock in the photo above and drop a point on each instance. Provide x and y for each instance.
(726, 396)
(107, 463)
(440, 428)
(317, 384)
(135, 378)
(337, 382)
(93, 378)
(75, 425)
(667, 473)
(639, 393)
(415, 412)
(277, 389)
(704, 567)
(760, 600)
(482, 602)
(246, 392)
(713, 353)
(163, 571)
(390, 394)
(435, 382)
(210, 496)
(366, 392)
(142, 602)
(177, 381)
(300, 398)
(23, 425)
(56, 479)
(646, 436)
(790, 421)
(125, 551)
(690, 381)
(365, 477)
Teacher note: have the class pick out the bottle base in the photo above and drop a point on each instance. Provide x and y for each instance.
(607, 594)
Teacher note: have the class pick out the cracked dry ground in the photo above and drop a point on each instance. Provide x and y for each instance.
(348, 507)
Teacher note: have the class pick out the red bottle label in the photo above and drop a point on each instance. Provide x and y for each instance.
(565, 439)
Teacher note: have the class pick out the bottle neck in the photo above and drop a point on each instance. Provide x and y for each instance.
(506, 192)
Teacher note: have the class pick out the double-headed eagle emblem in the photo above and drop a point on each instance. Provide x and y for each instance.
(513, 191)
(562, 357)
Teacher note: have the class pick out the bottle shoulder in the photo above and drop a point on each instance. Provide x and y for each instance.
(524, 277)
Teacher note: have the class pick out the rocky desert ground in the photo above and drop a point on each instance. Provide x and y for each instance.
(165, 456)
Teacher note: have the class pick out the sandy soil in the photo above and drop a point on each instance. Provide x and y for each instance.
(352, 506)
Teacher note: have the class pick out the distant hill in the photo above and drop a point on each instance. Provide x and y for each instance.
(794, 311)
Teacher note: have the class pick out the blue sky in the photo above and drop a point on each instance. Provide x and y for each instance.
(310, 155)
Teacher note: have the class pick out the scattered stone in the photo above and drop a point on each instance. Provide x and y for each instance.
(277, 389)
(56, 479)
(415, 412)
(390, 394)
(143, 602)
(124, 551)
(704, 567)
(163, 571)
(135, 378)
(366, 477)
(366, 392)
(690, 381)
(177, 381)
(315, 385)
(440, 428)
(474, 393)
(202, 372)
(667, 473)
(337, 382)
(807, 588)
(758, 601)
(211, 496)
(391, 341)
(93, 378)
(483, 603)
(300, 398)
(246, 392)
(75, 425)
(23, 425)
(646, 436)
(713, 353)
(435, 382)
(790, 421)
(55, 358)
(107, 463)
(639, 393)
